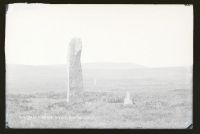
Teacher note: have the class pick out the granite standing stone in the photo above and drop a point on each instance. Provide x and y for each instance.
(75, 78)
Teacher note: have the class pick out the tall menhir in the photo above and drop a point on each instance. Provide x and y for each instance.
(75, 78)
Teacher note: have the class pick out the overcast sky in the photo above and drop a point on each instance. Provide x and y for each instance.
(151, 35)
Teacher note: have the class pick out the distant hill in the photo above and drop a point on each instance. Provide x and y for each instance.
(93, 66)
(109, 76)
(87, 66)
(107, 65)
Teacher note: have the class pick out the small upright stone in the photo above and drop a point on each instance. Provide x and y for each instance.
(127, 100)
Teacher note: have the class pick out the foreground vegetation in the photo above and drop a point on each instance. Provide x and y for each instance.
(160, 109)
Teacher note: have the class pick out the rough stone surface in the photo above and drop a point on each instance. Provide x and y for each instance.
(74, 65)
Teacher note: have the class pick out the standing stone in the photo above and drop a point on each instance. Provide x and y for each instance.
(75, 78)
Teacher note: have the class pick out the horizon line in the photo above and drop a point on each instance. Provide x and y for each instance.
(191, 65)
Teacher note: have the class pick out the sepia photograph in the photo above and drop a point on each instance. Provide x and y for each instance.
(102, 66)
